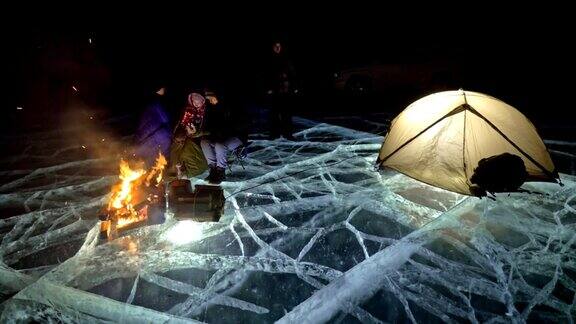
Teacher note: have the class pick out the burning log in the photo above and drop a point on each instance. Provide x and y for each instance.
(105, 229)
(147, 212)
(139, 200)
(122, 213)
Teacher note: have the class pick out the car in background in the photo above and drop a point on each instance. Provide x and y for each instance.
(387, 78)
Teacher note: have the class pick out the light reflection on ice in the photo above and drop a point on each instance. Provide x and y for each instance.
(184, 232)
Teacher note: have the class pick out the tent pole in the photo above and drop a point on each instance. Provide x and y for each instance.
(548, 173)
(464, 149)
(453, 112)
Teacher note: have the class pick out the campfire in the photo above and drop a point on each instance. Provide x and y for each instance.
(131, 198)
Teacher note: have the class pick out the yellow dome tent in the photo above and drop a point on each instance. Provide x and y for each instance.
(440, 139)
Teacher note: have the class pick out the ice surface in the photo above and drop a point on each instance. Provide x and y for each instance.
(310, 233)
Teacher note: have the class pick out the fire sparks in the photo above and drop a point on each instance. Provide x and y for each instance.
(129, 193)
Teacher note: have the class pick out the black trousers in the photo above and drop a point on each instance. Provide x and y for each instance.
(281, 113)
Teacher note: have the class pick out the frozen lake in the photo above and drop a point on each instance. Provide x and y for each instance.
(326, 238)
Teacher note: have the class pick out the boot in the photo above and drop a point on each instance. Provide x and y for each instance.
(211, 175)
(219, 175)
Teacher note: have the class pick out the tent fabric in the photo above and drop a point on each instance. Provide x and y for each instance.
(439, 139)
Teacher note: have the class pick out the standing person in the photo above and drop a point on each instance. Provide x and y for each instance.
(282, 89)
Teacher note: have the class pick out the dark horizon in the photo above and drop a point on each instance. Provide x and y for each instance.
(522, 66)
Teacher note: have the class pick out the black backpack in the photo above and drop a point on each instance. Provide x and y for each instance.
(499, 173)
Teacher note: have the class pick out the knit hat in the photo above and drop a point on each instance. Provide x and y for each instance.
(195, 97)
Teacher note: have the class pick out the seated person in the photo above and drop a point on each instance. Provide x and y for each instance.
(185, 153)
(220, 134)
(154, 131)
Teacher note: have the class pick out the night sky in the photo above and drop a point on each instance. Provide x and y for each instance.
(523, 64)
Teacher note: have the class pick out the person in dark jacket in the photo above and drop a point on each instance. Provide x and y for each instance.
(153, 133)
(221, 132)
(282, 91)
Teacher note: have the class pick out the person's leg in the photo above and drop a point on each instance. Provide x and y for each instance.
(220, 170)
(193, 159)
(222, 149)
(232, 143)
(221, 154)
(285, 111)
(209, 150)
(275, 116)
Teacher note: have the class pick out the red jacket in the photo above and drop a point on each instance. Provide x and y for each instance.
(194, 115)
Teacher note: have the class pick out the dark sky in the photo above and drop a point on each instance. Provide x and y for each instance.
(527, 59)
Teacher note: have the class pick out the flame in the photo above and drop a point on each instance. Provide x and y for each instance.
(132, 217)
(157, 170)
(122, 194)
(121, 203)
